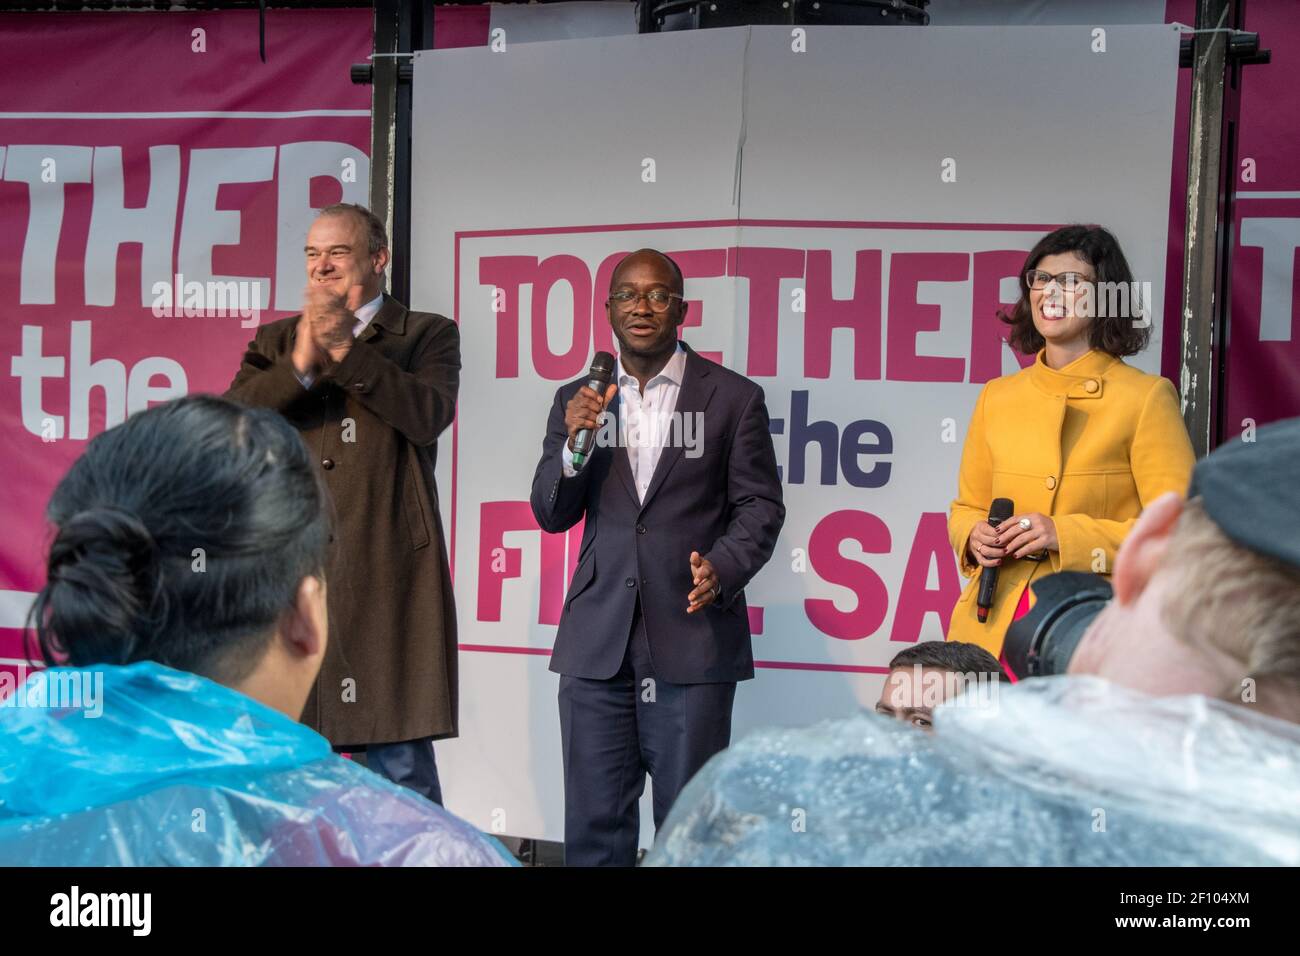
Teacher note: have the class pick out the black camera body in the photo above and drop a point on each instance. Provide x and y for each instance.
(1042, 642)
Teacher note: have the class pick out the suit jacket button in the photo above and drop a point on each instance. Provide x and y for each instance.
(1051, 482)
(640, 529)
(327, 464)
(630, 582)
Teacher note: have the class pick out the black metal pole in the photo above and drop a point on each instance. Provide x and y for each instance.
(1199, 373)
(383, 111)
(410, 37)
(1227, 229)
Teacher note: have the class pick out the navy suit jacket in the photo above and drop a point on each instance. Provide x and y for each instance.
(722, 500)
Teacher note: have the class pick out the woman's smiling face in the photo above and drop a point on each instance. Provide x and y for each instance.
(1062, 314)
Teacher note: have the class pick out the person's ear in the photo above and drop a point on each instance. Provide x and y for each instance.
(681, 313)
(304, 625)
(1143, 551)
(380, 261)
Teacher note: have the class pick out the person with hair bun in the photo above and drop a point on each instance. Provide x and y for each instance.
(1080, 441)
(184, 622)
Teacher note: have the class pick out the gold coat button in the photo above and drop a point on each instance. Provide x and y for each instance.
(1051, 482)
(1090, 386)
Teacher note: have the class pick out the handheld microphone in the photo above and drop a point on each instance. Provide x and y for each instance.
(602, 368)
(1003, 508)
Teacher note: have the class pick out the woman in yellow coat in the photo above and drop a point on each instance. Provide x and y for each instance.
(1079, 441)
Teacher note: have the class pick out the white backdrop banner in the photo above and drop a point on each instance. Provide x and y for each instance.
(850, 207)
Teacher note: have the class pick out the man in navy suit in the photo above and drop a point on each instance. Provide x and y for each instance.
(683, 506)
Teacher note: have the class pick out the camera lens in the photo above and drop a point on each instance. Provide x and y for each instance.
(1042, 642)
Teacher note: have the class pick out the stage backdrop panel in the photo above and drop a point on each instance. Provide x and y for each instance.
(850, 206)
(1263, 351)
(142, 154)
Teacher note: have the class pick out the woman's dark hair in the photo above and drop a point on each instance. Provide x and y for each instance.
(1116, 334)
(181, 536)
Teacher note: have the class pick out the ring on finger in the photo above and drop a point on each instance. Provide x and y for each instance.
(1026, 524)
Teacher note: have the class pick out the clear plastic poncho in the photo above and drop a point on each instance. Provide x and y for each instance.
(1061, 771)
(143, 765)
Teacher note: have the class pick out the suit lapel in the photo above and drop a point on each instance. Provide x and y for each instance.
(391, 317)
(692, 399)
(622, 467)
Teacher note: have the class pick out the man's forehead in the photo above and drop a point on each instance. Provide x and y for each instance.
(336, 227)
(657, 264)
(915, 675)
(901, 674)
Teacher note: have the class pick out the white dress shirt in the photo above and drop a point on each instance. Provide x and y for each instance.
(364, 315)
(644, 420)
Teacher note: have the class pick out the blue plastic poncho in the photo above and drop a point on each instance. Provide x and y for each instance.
(147, 766)
(1061, 771)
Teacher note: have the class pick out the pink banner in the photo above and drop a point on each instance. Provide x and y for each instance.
(158, 179)
(1263, 347)
(1263, 376)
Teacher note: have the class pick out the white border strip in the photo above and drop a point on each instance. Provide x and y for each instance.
(189, 114)
(1247, 194)
(14, 606)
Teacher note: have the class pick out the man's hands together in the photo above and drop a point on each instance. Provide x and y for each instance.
(324, 334)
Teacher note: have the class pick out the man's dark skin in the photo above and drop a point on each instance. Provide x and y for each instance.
(646, 341)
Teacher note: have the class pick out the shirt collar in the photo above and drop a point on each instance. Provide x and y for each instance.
(367, 312)
(673, 372)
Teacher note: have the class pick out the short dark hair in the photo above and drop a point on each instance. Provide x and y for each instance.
(676, 269)
(376, 233)
(956, 656)
(199, 479)
(1115, 335)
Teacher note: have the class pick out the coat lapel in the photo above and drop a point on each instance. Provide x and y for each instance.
(697, 388)
(391, 317)
(621, 466)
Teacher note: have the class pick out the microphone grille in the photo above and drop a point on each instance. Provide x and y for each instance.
(602, 365)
